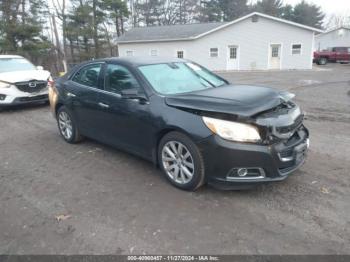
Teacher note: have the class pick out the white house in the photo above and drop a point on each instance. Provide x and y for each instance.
(253, 42)
(339, 37)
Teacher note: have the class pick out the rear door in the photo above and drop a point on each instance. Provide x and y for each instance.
(82, 93)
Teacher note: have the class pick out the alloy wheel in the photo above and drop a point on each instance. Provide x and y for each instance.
(178, 162)
(65, 124)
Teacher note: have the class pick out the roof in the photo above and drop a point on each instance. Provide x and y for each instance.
(146, 60)
(10, 56)
(168, 33)
(138, 60)
(191, 31)
(332, 30)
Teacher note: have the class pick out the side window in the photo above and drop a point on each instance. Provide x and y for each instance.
(180, 54)
(129, 53)
(88, 75)
(214, 52)
(296, 49)
(118, 78)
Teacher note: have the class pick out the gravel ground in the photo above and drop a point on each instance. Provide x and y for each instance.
(57, 198)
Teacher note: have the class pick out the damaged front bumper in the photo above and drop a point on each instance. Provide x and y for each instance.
(232, 165)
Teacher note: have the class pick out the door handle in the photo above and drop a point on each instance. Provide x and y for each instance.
(103, 105)
(71, 94)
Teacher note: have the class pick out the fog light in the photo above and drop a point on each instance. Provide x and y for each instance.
(246, 173)
(2, 97)
(241, 172)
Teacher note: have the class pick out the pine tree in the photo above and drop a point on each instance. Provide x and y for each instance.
(308, 14)
(270, 7)
(222, 10)
(21, 28)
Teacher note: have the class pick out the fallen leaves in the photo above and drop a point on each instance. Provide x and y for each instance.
(325, 190)
(62, 217)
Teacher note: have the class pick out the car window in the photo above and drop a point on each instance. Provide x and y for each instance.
(88, 75)
(177, 78)
(119, 78)
(342, 49)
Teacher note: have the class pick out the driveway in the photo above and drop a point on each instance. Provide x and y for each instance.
(57, 198)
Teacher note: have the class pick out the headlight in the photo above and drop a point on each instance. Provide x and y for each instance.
(286, 96)
(232, 130)
(4, 84)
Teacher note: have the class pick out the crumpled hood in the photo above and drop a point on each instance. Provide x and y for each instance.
(240, 100)
(23, 76)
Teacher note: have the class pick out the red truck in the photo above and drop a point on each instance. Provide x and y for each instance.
(335, 55)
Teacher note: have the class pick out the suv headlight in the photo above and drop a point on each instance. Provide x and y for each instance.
(4, 84)
(232, 131)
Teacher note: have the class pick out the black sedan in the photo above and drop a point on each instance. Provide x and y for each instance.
(193, 124)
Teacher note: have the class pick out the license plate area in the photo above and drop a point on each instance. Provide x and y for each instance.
(301, 151)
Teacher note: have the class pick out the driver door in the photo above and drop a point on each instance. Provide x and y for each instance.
(126, 122)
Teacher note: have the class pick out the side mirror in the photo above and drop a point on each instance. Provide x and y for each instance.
(133, 93)
(39, 68)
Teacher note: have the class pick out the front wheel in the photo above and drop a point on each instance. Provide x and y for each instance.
(181, 161)
(67, 126)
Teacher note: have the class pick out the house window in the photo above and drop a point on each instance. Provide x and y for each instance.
(233, 52)
(129, 53)
(275, 51)
(180, 54)
(154, 52)
(296, 49)
(214, 52)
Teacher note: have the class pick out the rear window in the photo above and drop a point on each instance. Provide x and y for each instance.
(15, 64)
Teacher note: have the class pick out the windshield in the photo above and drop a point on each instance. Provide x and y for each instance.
(15, 64)
(177, 78)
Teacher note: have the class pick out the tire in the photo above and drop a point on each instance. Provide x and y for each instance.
(67, 126)
(322, 61)
(188, 160)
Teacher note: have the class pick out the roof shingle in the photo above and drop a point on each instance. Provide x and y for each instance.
(170, 32)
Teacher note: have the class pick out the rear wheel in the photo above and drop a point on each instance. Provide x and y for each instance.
(181, 161)
(67, 126)
(322, 61)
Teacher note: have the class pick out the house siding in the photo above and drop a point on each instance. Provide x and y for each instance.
(253, 39)
(333, 39)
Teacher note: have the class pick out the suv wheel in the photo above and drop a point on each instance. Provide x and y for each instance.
(181, 161)
(67, 126)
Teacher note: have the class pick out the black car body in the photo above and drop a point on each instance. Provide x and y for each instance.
(139, 120)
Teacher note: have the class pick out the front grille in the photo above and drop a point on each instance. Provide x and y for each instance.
(287, 129)
(33, 99)
(286, 153)
(31, 86)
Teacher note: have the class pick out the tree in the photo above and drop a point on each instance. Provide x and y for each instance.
(287, 12)
(337, 21)
(269, 7)
(308, 14)
(222, 10)
(118, 11)
(21, 28)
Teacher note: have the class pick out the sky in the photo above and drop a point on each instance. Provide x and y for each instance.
(328, 6)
